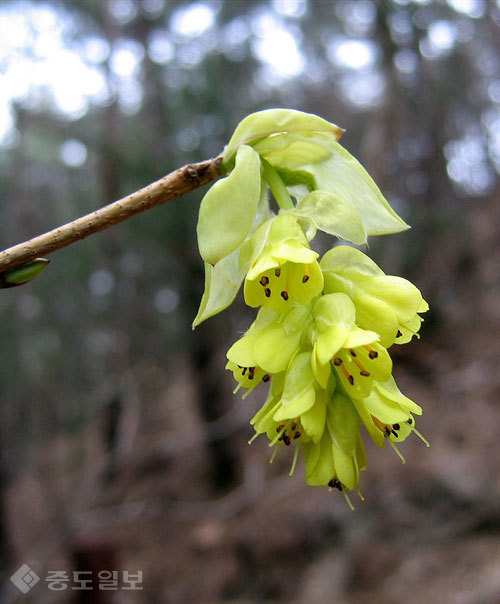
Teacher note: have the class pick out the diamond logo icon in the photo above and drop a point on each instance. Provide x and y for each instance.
(24, 578)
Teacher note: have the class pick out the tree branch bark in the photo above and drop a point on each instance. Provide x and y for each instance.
(182, 181)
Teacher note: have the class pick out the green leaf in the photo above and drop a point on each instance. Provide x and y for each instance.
(343, 175)
(295, 149)
(24, 273)
(228, 209)
(333, 215)
(222, 283)
(270, 121)
(292, 178)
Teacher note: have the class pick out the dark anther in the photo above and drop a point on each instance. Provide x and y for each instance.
(277, 272)
(240, 366)
(387, 431)
(350, 379)
(267, 291)
(394, 433)
(293, 426)
(286, 440)
(244, 370)
(352, 353)
(337, 361)
(305, 278)
(364, 373)
(264, 280)
(335, 484)
(396, 426)
(266, 377)
(373, 354)
(409, 421)
(280, 427)
(284, 295)
(250, 376)
(399, 334)
(296, 435)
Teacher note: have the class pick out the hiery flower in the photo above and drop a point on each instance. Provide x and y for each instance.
(339, 456)
(388, 414)
(354, 353)
(282, 266)
(385, 304)
(268, 345)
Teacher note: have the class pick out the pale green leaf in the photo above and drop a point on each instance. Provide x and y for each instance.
(270, 121)
(222, 283)
(343, 175)
(331, 214)
(228, 210)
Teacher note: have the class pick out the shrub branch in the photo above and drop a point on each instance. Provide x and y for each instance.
(173, 185)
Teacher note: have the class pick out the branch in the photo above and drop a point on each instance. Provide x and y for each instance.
(182, 181)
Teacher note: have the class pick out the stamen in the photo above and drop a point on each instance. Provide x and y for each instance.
(273, 455)
(398, 452)
(335, 483)
(278, 436)
(277, 272)
(373, 354)
(362, 370)
(294, 461)
(264, 280)
(267, 291)
(305, 278)
(253, 438)
(424, 440)
(348, 376)
(348, 501)
(284, 295)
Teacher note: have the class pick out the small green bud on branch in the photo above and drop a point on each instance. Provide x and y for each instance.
(23, 273)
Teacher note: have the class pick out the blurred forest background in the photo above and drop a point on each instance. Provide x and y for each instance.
(122, 446)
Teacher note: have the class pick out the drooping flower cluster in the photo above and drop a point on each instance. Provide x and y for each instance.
(323, 328)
